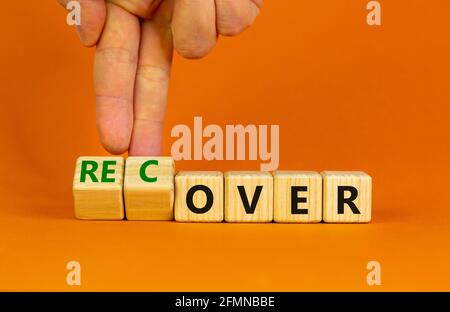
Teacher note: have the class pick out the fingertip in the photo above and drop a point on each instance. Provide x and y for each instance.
(88, 40)
(114, 123)
(194, 28)
(92, 21)
(194, 49)
(115, 142)
(234, 17)
(89, 34)
(114, 148)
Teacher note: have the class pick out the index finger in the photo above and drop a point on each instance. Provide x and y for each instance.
(114, 72)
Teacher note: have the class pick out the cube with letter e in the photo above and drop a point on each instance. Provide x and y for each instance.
(297, 196)
(97, 188)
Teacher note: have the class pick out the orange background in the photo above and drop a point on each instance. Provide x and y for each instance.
(346, 96)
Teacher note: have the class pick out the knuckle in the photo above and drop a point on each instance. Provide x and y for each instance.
(154, 74)
(141, 8)
(116, 55)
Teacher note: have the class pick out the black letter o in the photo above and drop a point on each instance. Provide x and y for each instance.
(190, 199)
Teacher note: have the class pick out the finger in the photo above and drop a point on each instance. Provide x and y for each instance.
(114, 73)
(141, 8)
(92, 19)
(194, 27)
(234, 16)
(152, 81)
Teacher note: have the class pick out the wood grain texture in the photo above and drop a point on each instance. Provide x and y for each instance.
(184, 181)
(149, 200)
(250, 180)
(99, 200)
(310, 183)
(361, 181)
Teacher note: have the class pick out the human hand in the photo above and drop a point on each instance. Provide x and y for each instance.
(135, 41)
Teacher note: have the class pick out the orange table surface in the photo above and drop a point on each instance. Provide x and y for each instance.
(40, 237)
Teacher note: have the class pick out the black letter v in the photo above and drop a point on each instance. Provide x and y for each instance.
(250, 208)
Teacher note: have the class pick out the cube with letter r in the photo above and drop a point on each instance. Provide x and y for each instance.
(347, 197)
(97, 188)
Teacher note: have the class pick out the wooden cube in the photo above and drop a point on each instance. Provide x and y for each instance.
(149, 188)
(297, 196)
(347, 197)
(199, 196)
(248, 196)
(97, 188)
